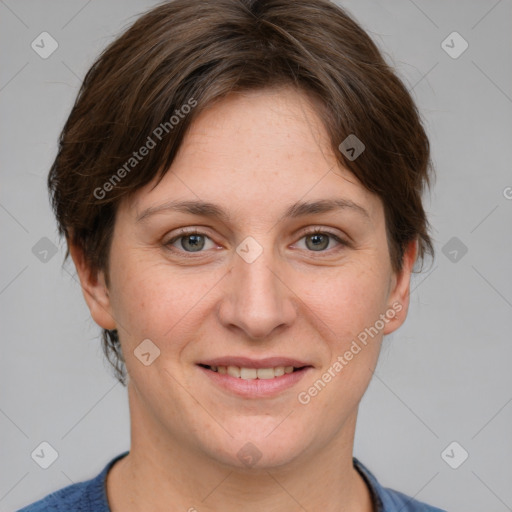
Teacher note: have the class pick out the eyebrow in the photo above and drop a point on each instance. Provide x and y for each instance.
(298, 209)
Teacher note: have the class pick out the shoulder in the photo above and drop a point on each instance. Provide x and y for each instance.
(389, 500)
(395, 500)
(71, 498)
(87, 496)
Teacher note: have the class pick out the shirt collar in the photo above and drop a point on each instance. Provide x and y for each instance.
(372, 483)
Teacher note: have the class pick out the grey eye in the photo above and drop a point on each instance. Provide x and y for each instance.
(192, 243)
(319, 241)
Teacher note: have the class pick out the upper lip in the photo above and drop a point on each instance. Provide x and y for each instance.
(246, 362)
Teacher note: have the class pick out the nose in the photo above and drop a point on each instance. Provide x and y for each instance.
(257, 298)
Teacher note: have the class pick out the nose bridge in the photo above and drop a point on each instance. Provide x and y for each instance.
(259, 302)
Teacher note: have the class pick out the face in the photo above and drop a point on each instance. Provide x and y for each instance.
(254, 281)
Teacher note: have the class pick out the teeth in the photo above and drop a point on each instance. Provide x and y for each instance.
(279, 371)
(249, 373)
(252, 373)
(266, 373)
(234, 371)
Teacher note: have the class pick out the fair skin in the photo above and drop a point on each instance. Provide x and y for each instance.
(253, 155)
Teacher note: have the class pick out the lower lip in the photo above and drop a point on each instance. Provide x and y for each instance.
(256, 388)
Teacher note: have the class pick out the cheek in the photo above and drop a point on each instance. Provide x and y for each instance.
(347, 301)
(347, 309)
(152, 302)
(347, 306)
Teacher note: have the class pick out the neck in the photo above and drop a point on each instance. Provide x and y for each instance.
(160, 472)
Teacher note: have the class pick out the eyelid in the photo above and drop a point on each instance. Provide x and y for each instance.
(311, 230)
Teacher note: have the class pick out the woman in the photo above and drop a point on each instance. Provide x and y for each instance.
(239, 184)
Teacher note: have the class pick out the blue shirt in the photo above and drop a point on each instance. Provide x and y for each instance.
(91, 496)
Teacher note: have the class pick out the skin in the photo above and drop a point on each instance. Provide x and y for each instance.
(253, 154)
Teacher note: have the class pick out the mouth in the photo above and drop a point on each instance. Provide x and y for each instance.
(247, 373)
(254, 379)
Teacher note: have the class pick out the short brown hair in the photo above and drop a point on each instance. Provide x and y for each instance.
(200, 50)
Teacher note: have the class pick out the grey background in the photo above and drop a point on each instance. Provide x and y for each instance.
(444, 376)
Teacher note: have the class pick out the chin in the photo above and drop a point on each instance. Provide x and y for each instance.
(259, 447)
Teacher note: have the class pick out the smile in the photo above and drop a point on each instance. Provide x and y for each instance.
(254, 382)
(252, 373)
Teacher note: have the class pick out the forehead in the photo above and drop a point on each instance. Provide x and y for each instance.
(256, 148)
(281, 121)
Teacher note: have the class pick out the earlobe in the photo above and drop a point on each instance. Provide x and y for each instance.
(94, 289)
(398, 301)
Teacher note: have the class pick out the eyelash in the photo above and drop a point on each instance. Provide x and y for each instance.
(184, 232)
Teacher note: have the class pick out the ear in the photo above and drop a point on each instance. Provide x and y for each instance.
(398, 300)
(94, 289)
